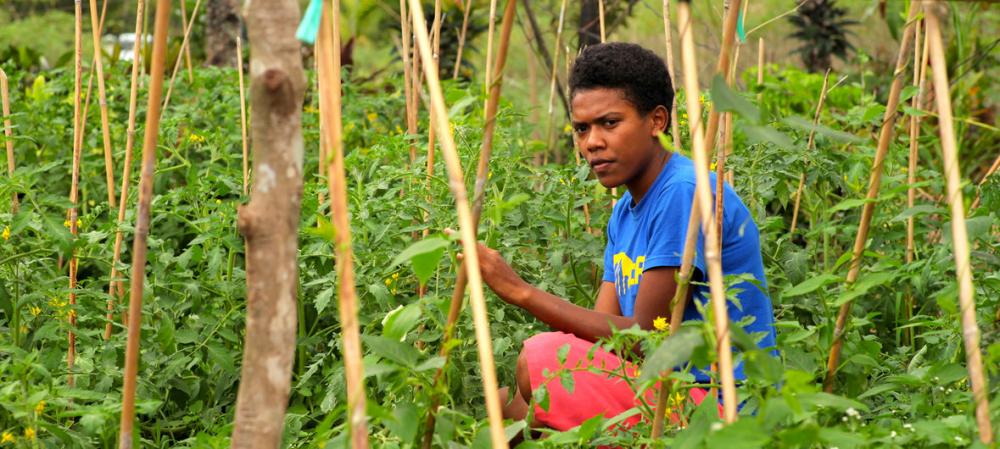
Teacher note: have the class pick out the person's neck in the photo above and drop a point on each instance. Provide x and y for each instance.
(639, 186)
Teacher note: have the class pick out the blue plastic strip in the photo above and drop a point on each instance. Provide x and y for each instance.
(309, 26)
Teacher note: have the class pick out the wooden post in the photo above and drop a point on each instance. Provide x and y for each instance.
(269, 223)
(187, 48)
(330, 99)
(467, 230)
(884, 138)
(103, 102)
(115, 287)
(8, 136)
(482, 176)
(551, 135)
(920, 59)
(243, 117)
(184, 43)
(722, 67)
(139, 246)
(809, 147)
(461, 38)
(408, 76)
(488, 73)
(704, 201)
(960, 240)
(675, 129)
(74, 184)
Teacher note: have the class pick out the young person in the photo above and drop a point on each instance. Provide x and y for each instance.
(621, 97)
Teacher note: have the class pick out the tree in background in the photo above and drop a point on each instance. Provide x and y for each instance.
(221, 28)
(822, 28)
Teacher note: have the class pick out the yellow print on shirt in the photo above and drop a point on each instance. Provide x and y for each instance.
(627, 272)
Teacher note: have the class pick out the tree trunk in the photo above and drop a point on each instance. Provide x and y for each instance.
(220, 33)
(589, 27)
(269, 223)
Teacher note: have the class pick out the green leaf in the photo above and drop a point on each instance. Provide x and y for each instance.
(807, 126)
(914, 211)
(323, 299)
(725, 99)
(849, 203)
(743, 434)
(404, 421)
(399, 321)
(765, 134)
(811, 284)
(424, 257)
(675, 350)
(393, 350)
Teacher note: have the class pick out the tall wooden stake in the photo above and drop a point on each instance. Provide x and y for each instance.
(551, 136)
(8, 135)
(188, 24)
(243, 117)
(920, 59)
(330, 99)
(884, 138)
(115, 287)
(109, 170)
(187, 48)
(722, 67)
(809, 147)
(675, 128)
(704, 201)
(600, 18)
(960, 240)
(467, 230)
(408, 76)
(74, 184)
(139, 247)
(461, 38)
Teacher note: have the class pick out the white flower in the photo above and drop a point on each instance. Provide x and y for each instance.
(893, 434)
(716, 426)
(909, 427)
(852, 412)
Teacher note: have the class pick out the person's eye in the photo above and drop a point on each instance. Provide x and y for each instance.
(611, 122)
(580, 129)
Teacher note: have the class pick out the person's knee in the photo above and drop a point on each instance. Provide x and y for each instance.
(523, 377)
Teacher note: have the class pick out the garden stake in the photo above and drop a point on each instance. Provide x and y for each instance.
(722, 67)
(115, 287)
(920, 59)
(8, 137)
(760, 66)
(431, 132)
(552, 80)
(488, 73)
(884, 138)
(482, 176)
(97, 26)
(461, 38)
(411, 115)
(187, 49)
(960, 240)
(269, 223)
(675, 128)
(468, 234)
(809, 147)
(600, 16)
(139, 246)
(74, 183)
(704, 193)
(678, 303)
(243, 116)
(188, 24)
(330, 101)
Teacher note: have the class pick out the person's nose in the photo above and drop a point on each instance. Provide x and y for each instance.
(593, 141)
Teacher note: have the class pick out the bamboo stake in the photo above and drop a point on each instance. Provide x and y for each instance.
(431, 132)
(109, 171)
(720, 173)
(551, 137)
(467, 230)
(963, 269)
(187, 49)
(704, 193)
(809, 147)
(885, 137)
(74, 183)
(920, 60)
(8, 136)
(600, 16)
(115, 287)
(722, 67)
(139, 247)
(410, 94)
(184, 43)
(489, 47)
(330, 99)
(675, 128)
(243, 117)
(482, 176)
(461, 38)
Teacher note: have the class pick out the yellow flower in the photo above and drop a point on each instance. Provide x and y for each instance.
(399, 130)
(7, 437)
(194, 138)
(394, 291)
(395, 276)
(29, 434)
(677, 399)
(218, 201)
(35, 310)
(660, 323)
(40, 407)
(372, 117)
(6, 232)
(388, 282)
(712, 166)
(567, 129)
(79, 223)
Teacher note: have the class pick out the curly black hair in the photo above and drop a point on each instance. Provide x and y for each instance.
(639, 73)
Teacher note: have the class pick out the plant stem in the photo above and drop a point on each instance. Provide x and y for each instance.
(461, 38)
(809, 147)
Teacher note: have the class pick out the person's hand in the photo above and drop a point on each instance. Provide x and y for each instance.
(499, 275)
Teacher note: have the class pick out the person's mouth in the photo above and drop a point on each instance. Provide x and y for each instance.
(601, 166)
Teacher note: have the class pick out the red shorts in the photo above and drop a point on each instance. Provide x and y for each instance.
(593, 393)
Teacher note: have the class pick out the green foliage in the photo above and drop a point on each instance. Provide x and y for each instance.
(822, 28)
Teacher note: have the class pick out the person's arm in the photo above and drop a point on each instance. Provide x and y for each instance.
(656, 289)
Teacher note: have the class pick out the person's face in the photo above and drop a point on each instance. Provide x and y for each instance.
(617, 142)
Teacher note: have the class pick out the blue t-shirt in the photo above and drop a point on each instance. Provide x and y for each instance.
(651, 234)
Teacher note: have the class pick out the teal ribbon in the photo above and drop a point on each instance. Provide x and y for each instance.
(309, 26)
(739, 28)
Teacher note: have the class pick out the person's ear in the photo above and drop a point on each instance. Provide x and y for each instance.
(660, 118)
